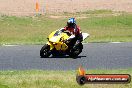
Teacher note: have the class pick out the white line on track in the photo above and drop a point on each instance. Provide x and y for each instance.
(83, 43)
(116, 42)
(9, 45)
(104, 42)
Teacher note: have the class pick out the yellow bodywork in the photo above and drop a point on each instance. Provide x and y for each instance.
(57, 41)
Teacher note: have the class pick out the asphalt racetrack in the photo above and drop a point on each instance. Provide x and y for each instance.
(94, 56)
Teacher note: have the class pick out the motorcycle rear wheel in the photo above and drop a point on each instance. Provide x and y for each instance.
(76, 50)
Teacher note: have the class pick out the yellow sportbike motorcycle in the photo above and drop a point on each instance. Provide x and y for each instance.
(56, 45)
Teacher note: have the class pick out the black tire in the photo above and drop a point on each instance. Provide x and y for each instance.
(81, 80)
(45, 51)
(76, 50)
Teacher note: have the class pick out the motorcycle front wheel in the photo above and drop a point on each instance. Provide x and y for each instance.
(45, 51)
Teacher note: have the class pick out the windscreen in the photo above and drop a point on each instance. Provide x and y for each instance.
(57, 33)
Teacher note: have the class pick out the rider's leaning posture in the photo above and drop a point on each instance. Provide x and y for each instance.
(74, 29)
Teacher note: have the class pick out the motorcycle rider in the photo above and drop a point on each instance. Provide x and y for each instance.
(74, 30)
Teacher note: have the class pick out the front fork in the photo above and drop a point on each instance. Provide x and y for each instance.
(51, 45)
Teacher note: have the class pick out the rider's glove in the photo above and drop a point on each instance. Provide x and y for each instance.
(66, 41)
(62, 29)
(69, 39)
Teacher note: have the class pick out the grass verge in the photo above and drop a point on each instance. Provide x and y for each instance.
(54, 79)
(102, 25)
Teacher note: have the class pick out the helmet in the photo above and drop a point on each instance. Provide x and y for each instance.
(71, 22)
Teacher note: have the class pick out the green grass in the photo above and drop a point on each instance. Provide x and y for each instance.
(103, 11)
(34, 30)
(109, 29)
(54, 79)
